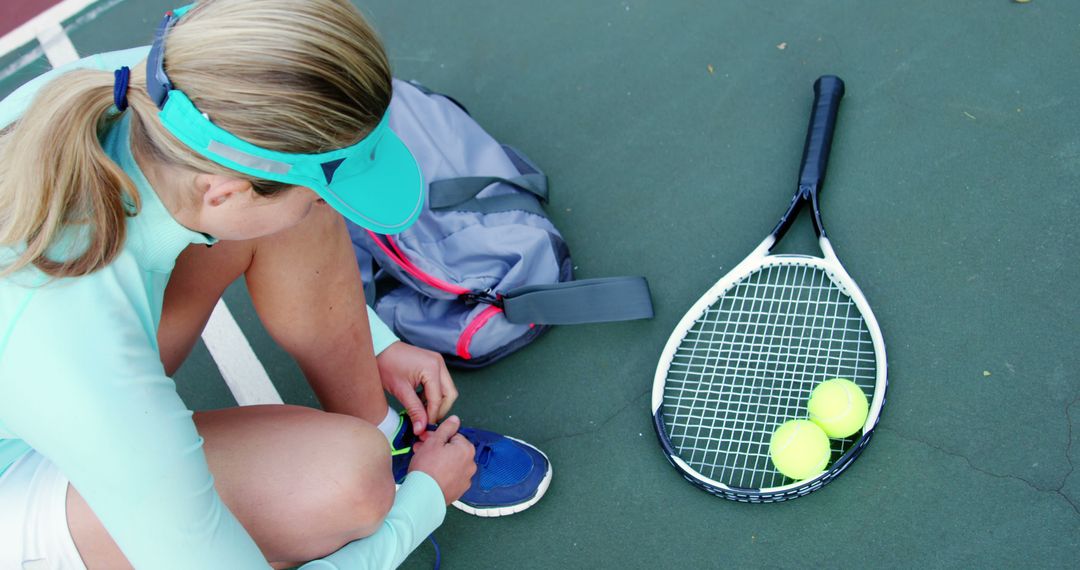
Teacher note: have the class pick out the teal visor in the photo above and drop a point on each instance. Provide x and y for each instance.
(376, 183)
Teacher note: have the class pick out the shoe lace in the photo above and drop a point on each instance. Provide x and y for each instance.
(483, 454)
(438, 551)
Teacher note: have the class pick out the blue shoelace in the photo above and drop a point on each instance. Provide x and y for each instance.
(438, 554)
(483, 454)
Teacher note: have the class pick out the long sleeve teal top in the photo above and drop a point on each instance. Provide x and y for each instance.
(81, 382)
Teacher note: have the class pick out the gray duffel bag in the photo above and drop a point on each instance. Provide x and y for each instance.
(483, 271)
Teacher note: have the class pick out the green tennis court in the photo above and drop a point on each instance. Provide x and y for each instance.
(671, 133)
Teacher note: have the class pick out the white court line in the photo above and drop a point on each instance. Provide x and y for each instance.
(57, 45)
(29, 31)
(240, 367)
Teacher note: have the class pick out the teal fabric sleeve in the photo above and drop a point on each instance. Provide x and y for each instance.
(381, 335)
(81, 382)
(410, 521)
(93, 398)
(11, 448)
(10, 451)
(116, 427)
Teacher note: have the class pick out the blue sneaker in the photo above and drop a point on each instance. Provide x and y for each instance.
(511, 475)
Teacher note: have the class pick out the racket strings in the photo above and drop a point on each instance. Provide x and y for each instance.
(749, 363)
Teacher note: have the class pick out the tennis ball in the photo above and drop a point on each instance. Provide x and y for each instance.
(839, 406)
(799, 449)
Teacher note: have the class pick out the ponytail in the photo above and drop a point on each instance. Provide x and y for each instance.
(298, 77)
(55, 178)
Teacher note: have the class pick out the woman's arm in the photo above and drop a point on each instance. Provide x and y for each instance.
(81, 382)
(90, 394)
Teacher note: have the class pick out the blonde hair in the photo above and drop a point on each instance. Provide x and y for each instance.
(298, 77)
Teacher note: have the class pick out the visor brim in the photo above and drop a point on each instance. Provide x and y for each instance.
(385, 196)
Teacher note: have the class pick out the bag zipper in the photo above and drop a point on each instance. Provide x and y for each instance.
(398, 257)
(474, 327)
(469, 296)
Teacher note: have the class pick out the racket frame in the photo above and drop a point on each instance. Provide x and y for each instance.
(760, 259)
(828, 90)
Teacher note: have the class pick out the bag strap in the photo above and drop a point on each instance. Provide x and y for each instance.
(599, 300)
(453, 191)
(503, 203)
(377, 282)
(368, 268)
(429, 92)
(460, 193)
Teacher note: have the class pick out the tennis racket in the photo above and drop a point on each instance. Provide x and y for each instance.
(745, 357)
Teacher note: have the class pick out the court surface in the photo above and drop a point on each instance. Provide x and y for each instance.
(671, 132)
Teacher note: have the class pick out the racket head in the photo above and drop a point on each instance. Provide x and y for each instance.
(726, 380)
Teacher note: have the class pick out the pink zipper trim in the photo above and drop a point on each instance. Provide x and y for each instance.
(398, 257)
(474, 327)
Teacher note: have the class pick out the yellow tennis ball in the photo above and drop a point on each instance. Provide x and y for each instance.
(839, 406)
(799, 449)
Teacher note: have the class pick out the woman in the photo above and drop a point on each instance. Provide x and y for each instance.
(250, 117)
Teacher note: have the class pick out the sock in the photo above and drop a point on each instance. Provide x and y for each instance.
(389, 425)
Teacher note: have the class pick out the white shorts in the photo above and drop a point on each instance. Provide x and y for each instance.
(34, 533)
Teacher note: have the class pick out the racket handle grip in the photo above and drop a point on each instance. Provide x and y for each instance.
(828, 90)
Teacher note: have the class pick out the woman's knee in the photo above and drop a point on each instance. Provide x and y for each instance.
(357, 487)
(303, 481)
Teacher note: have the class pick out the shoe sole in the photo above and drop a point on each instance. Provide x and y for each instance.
(491, 512)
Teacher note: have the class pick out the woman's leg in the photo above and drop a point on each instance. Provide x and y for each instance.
(301, 481)
(306, 288)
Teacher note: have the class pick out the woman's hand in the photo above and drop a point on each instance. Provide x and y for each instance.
(447, 457)
(404, 369)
